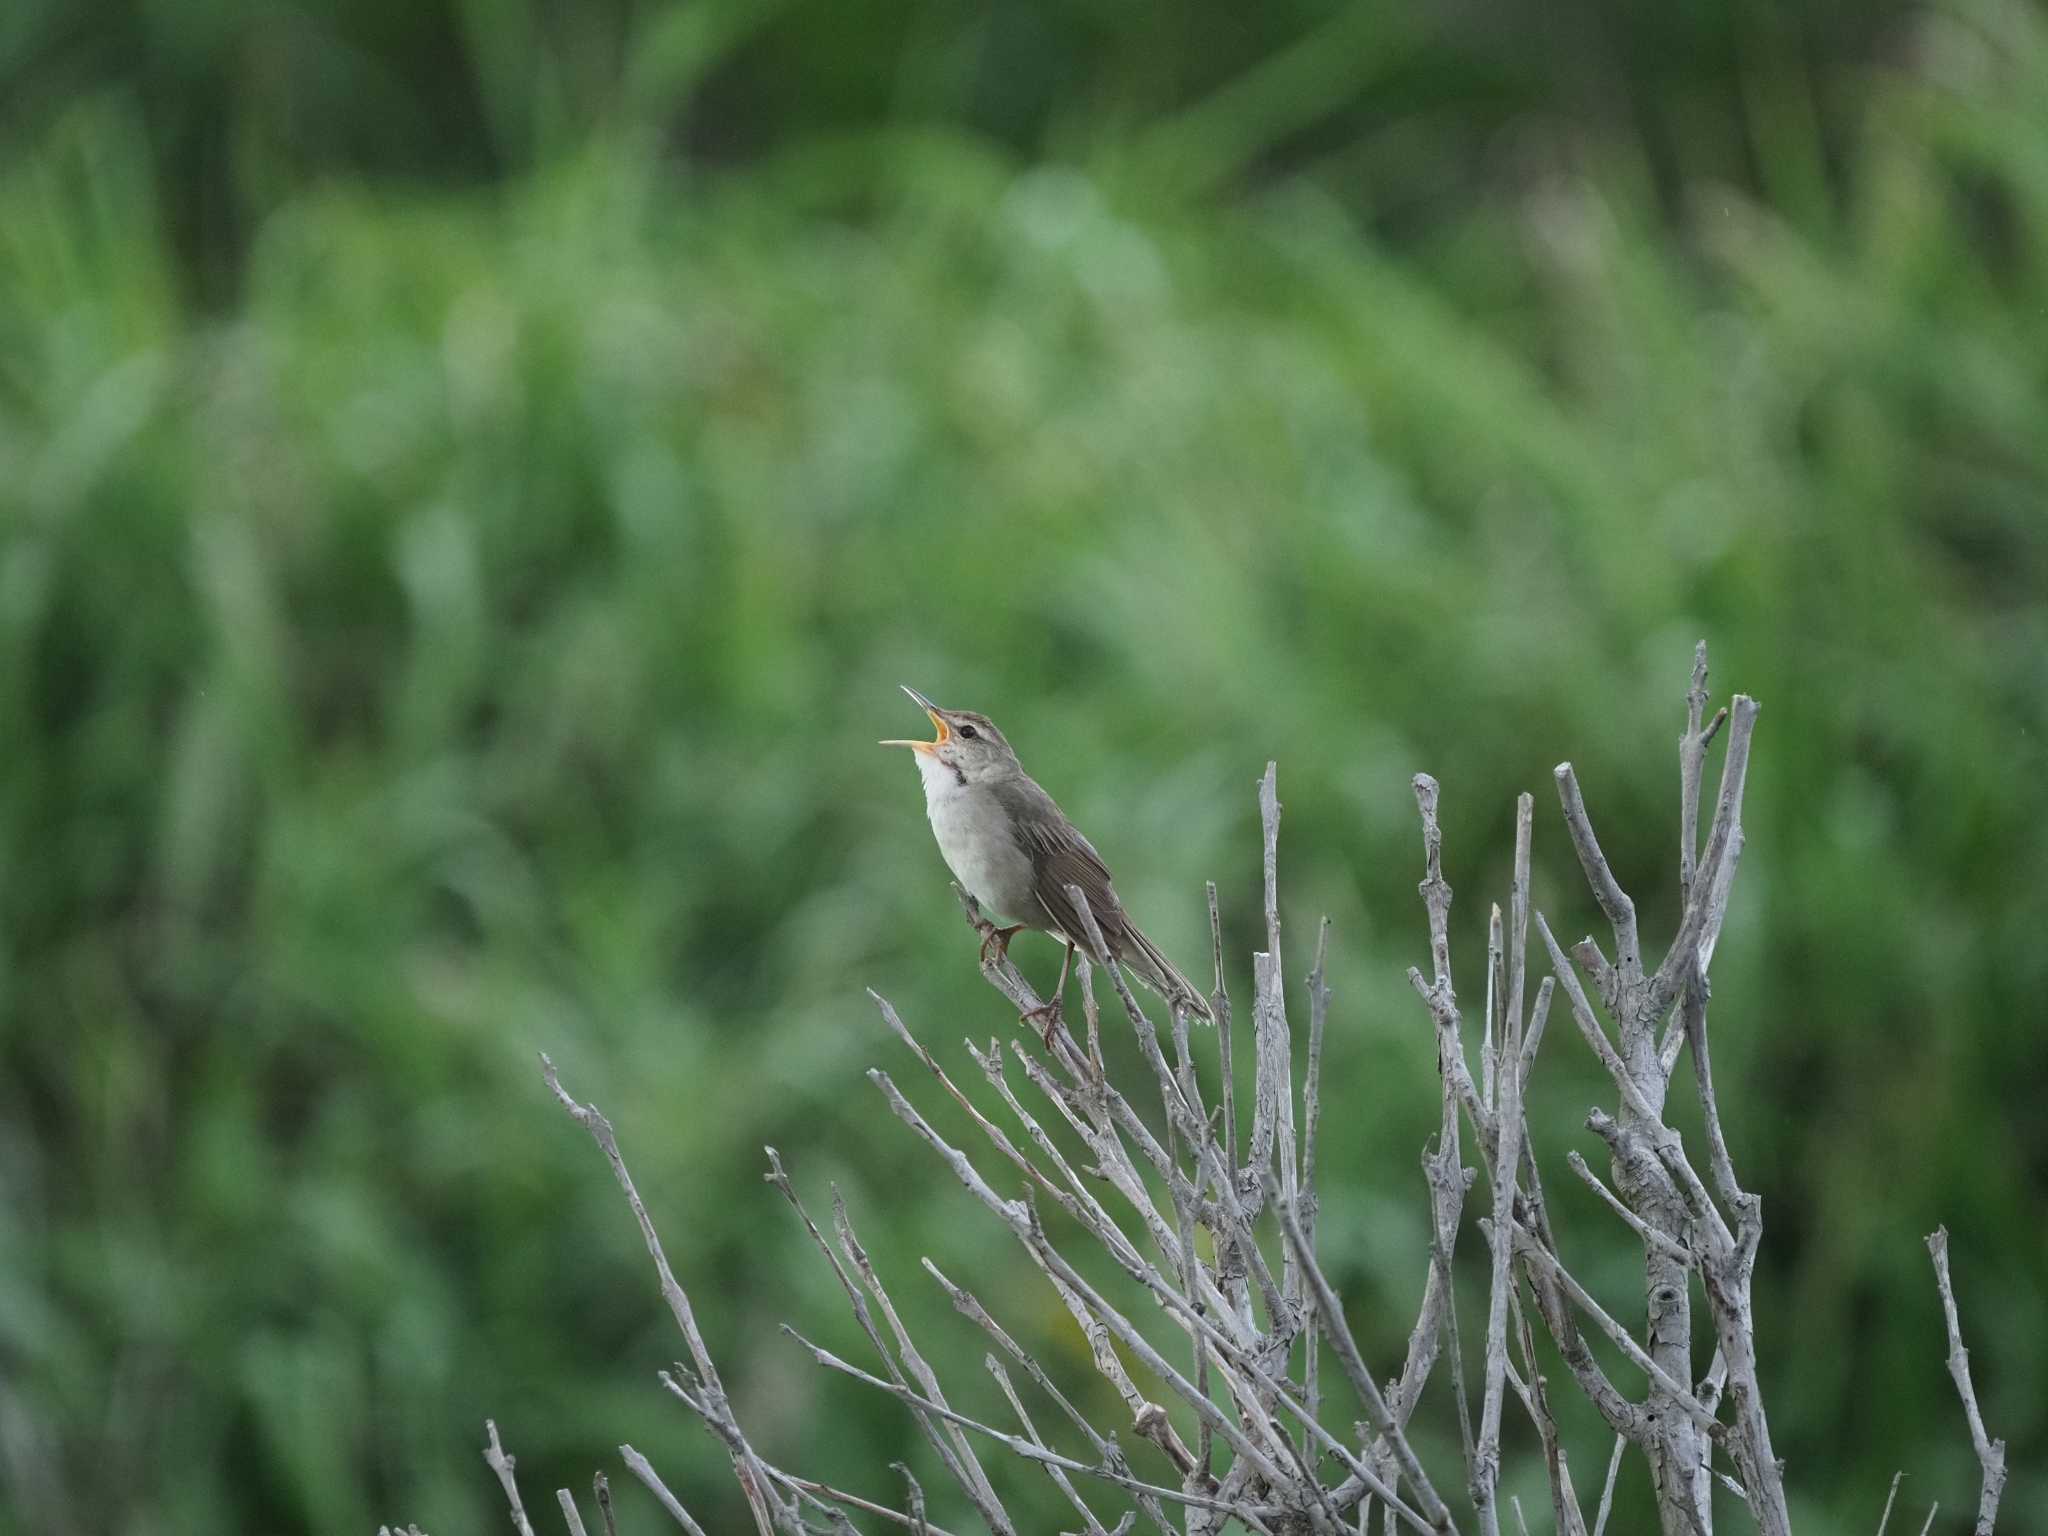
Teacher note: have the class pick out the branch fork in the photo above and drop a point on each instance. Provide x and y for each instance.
(1187, 1191)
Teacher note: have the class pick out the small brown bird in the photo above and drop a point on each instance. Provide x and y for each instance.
(1016, 853)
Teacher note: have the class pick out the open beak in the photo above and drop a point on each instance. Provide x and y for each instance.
(939, 721)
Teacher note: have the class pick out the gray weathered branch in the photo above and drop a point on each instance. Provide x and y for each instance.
(1990, 1452)
(1186, 1201)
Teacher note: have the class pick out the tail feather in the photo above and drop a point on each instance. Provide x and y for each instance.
(1142, 958)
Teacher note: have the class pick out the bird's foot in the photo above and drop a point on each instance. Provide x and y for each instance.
(998, 939)
(1049, 1013)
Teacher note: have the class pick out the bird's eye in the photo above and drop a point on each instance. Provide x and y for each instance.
(969, 732)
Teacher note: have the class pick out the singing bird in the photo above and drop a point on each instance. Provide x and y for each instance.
(1016, 853)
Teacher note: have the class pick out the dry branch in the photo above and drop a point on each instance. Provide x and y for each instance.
(1990, 1453)
(502, 1465)
(1187, 1196)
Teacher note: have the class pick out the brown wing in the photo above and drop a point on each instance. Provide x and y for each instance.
(1060, 856)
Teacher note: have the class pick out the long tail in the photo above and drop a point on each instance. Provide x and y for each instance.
(1142, 958)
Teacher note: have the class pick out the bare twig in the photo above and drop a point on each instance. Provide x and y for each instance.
(1219, 1007)
(1699, 929)
(1273, 1123)
(1436, 894)
(820, 1494)
(1990, 1453)
(1441, 1253)
(1017, 1445)
(1338, 1331)
(1589, 1026)
(502, 1464)
(954, 1456)
(1056, 1473)
(571, 1516)
(1692, 1010)
(1692, 755)
(1518, 913)
(914, 1496)
(1019, 1217)
(1311, 1119)
(1607, 1488)
(1269, 826)
(1506, 1164)
(979, 1490)
(1891, 1493)
(1438, 992)
(1496, 995)
(1651, 1237)
(1638, 1357)
(639, 1466)
(1614, 901)
(1564, 1499)
(966, 1304)
(1311, 1088)
(747, 1466)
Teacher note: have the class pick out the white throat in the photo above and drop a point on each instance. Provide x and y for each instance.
(941, 782)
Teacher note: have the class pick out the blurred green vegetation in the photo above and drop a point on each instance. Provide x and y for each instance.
(471, 478)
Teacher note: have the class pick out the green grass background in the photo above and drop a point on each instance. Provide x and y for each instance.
(472, 476)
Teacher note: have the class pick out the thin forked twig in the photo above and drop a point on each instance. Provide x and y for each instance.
(1017, 1445)
(747, 1466)
(1990, 1453)
(1614, 901)
(1338, 1332)
(502, 1464)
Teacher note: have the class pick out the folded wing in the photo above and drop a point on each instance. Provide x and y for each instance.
(1061, 857)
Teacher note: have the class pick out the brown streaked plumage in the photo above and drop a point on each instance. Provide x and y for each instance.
(1016, 853)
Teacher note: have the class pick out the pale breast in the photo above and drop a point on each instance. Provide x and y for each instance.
(974, 838)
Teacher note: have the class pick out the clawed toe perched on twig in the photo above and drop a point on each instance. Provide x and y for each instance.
(998, 939)
(1051, 1013)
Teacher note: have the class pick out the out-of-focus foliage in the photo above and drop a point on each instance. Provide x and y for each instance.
(453, 576)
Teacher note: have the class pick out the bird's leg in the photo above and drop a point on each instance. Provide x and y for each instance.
(1050, 1012)
(999, 940)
